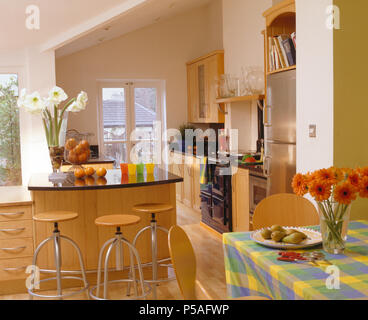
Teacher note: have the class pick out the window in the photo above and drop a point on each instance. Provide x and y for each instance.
(128, 113)
(10, 159)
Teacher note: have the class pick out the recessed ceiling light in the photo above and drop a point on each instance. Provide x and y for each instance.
(101, 39)
(107, 28)
(158, 19)
(172, 5)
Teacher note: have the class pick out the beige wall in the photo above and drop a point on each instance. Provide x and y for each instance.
(159, 51)
(243, 23)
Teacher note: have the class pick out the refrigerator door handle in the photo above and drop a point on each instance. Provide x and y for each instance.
(266, 166)
(280, 142)
(267, 116)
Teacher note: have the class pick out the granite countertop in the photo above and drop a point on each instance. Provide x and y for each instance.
(113, 180)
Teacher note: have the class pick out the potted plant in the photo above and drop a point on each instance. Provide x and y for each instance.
(54, 117)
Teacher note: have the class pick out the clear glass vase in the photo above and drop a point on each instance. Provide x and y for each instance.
(334, 222)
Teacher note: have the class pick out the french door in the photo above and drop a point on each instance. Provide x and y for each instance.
(128, 114)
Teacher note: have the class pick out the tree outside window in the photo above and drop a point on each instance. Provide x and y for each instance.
(10, 158)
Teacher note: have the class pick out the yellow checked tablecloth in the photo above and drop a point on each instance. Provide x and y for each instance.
(252, 269)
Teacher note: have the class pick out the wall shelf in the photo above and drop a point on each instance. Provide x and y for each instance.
(281, 70)
(239, 99)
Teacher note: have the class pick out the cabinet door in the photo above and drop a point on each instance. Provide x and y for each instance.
(193, 113)
(240, 185)
(176, 167)
(196, 185)
(215, 69)
(188, 178)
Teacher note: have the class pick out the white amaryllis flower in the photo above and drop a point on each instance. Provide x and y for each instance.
(80, 104)
(57, 95)
(32, 103)
(82, 99)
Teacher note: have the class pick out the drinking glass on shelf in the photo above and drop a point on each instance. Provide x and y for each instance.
(124, 169)
(256, 80)
(150, 167)
(140, 168)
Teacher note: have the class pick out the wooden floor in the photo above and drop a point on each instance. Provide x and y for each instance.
(210, 263)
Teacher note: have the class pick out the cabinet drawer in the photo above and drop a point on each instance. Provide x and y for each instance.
(16, 229)
(16, 248)
(11, 269)
(15, 213)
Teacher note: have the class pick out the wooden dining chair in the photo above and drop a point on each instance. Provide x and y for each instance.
(285, 209)
(185, 266)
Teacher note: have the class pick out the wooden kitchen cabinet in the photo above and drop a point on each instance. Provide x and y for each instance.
(240, 199)
(203, 73)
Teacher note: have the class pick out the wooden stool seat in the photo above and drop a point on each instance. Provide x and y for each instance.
(152, 208)
(55, 216)
(117, 220)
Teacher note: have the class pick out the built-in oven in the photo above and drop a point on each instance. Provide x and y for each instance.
(216, 200)
(257, 190)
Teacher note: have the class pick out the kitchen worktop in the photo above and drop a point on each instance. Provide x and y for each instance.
(112, 180)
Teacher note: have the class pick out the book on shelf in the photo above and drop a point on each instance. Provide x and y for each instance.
(290, 51)
(282, 51)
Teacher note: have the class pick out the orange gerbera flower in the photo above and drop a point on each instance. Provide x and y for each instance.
(299, 184)
(363, 171)
(345, 193)
(354, 179)
(319, 190)
(326, 176)
(363, 187)
(339, 173)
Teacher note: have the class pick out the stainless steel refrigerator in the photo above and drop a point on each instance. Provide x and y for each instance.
(280, 132)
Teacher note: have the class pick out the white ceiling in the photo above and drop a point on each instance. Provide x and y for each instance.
(55, 17)
(73, 25)
(151, 12)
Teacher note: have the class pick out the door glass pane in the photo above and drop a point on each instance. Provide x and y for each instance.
(116, 151)
(145, 104)
(10, 160)
(114, 114)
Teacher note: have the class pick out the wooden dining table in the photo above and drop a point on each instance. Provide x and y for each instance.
(253, 269)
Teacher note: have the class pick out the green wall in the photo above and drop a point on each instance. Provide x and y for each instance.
(351, 91)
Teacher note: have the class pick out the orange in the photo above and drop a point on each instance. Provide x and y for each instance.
(79, 183)
(101, 172)
(90, 171)
(70, 144)
(82, 158)
(101, 181)
(84, 144)
(72, 157)
(90, 181)
(79, 149)
(79, 173)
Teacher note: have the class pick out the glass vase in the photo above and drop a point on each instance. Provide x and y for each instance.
(334, 222)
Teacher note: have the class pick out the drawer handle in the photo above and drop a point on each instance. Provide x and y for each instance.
(11, 214)
(13, 249)
(15, 269)
(13, 230)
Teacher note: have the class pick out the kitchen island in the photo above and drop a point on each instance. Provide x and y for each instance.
(95, 197)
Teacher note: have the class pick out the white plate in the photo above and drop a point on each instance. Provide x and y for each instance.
(314, 239)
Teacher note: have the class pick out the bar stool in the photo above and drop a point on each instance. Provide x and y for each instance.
(153, 209)
(119, 221)
(55, 217)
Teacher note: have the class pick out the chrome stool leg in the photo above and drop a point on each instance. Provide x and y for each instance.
(155, 263)
(115, 242)
(56, 239)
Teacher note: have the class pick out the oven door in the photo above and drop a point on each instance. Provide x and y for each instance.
(258, 191)
(219, 211)
(206, 205)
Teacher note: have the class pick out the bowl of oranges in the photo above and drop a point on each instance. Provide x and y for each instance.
(77, 152)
